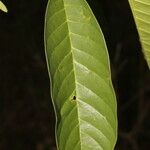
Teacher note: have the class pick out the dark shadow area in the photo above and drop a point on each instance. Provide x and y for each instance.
(26, 113)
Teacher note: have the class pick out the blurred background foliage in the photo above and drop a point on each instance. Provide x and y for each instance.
(26, 111)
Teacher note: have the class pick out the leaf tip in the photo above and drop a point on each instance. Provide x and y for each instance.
(3, 7)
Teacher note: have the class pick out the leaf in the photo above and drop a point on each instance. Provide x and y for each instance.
(81, 86)
(3, 7)
(141, 13)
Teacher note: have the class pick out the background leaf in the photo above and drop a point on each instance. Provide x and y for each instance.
(3, 7)
(141, 13)
(82, 91)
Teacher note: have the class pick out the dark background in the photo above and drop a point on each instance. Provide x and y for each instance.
(26, 112)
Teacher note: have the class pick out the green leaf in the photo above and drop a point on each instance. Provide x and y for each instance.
(3, 7)
(141, 13)
(81, 86)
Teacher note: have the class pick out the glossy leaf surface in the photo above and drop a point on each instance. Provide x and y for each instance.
(141, 13)
(81, 86)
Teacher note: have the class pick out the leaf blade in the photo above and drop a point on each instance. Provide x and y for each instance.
(75, 48)
(141, 14)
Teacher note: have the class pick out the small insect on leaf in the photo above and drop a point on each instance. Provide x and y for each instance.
(3, 7)
(74, 97)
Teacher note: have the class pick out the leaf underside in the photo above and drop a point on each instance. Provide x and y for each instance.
(141, 13)
(3, 7)
(81, 86)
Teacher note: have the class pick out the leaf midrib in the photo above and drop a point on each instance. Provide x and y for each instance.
(74, 71)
